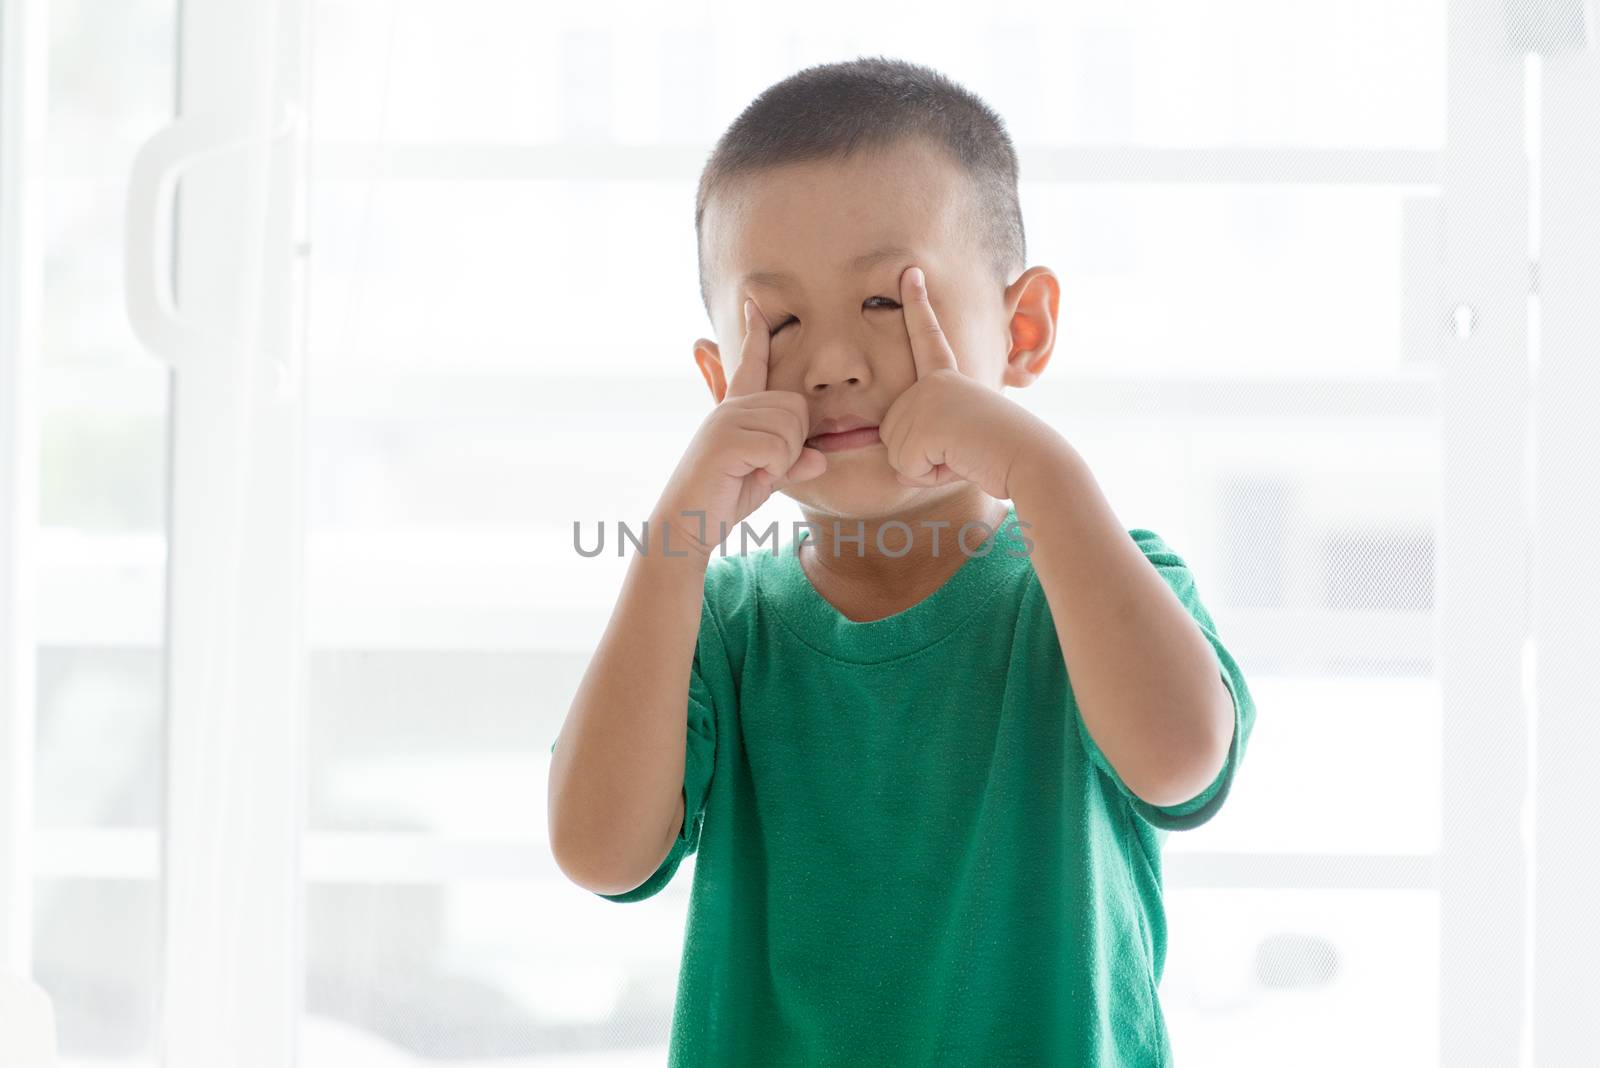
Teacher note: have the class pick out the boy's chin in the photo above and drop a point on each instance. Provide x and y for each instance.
(864, 490)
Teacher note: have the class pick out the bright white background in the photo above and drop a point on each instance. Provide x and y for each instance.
(1265, 217)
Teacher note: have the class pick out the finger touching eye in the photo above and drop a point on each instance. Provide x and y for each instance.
(887, 305)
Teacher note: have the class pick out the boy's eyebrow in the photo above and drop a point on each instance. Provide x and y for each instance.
(856, 263)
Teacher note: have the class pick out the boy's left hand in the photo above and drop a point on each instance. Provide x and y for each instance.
(948, 427)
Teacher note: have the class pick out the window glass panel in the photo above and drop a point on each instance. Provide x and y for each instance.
(99, 737)
(451, 742)
(467, 275)
(1167, 279)
(85, 324)
(1244, 72)
(1258, 977)
(97, 953)
(402, 974)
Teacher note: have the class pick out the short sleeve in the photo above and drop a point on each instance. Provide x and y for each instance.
(698, 763)
(1199, 809)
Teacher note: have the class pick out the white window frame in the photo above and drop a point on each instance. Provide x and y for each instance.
(23, 54)
(225, 315)
(1482, 601)
(1562, 988)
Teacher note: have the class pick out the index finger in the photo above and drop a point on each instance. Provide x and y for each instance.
(930, 349)
(751, 374)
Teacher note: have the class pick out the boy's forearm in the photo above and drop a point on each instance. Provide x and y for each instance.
(1145, 677)
(616, 776)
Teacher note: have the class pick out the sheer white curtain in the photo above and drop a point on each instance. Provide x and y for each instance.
(307, 614)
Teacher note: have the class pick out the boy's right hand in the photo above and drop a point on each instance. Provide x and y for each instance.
(753, 441)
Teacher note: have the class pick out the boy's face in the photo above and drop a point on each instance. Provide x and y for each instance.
(840, 338)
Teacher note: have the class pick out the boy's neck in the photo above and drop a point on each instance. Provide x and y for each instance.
(865, 584)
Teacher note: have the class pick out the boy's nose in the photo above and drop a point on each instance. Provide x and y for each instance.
(840, 367)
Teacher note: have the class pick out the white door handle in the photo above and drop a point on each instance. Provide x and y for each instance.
(152, 310)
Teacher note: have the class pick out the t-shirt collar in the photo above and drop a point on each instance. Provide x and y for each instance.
(784, 586)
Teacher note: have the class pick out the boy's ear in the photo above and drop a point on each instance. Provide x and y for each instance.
(1032, 301)
(709, 359)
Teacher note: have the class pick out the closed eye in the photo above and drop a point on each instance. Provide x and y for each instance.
(888, 305)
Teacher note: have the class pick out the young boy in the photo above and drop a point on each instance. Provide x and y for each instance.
(919, 841)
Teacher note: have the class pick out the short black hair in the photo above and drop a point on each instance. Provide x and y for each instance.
(833, 110)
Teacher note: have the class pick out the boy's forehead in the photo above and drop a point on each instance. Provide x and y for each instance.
(787, 225)
(887, 251)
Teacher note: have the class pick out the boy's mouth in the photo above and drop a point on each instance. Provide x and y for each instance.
(844, 432)
(845, 439)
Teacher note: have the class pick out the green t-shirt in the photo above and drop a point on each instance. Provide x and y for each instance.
(909, 848)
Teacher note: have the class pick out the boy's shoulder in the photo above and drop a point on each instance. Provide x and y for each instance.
(733, 581)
